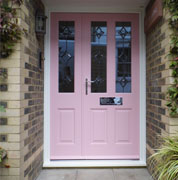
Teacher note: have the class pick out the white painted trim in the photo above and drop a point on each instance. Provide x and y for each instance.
(96, 9)
(95, 163)
(142, 89)
(46, 154)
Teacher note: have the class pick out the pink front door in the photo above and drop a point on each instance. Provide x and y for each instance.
(94, 86)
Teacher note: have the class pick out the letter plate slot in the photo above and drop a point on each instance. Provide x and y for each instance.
(111, 101)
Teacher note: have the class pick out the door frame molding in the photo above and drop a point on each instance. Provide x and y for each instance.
(95, 163)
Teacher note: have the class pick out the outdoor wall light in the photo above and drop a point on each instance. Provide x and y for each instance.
(40, 23)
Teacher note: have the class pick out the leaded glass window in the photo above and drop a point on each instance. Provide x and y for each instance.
(123, 57)
(98, 56)
(66, 56)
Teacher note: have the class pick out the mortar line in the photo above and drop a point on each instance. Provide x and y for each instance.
(76, 175)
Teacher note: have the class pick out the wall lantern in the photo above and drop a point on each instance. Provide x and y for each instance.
(40, 23)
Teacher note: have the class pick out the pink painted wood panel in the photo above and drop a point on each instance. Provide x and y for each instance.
(128, 112)
(122, 126)
(99, 126)
(66, 125)
(65, 108)
(80, 127)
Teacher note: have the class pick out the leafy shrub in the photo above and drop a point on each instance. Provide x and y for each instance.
(165, 160)
(2, 154)
(172, 7)
(10, 31)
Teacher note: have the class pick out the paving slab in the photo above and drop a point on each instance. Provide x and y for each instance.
(132, 174)
(95, 174)
(58, 174)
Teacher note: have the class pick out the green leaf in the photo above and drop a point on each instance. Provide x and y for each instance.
(172, 64)
(10, 31)
(2, 109)
(169, 104)
(165, 160)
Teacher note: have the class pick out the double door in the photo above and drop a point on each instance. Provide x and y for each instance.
(94, 90)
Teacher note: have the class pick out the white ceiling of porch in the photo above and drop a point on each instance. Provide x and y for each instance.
(103, 4)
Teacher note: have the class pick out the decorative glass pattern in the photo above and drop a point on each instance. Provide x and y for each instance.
(66, 56)
(98, 56)
(123, 57)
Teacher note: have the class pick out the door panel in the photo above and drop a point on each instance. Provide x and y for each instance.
(65, 89)
(122, 122)
(66, 126)
(99, 126)
(102, 61)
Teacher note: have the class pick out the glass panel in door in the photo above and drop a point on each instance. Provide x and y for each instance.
(98, 56)
(123, 57)
(66, 56)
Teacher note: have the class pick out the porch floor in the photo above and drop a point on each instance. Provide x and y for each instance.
(95, 174)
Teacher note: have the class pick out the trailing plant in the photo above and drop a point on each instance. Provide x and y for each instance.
(165, 161)
(10, 31)
(3, 154)
(172, 7)
(2, 109)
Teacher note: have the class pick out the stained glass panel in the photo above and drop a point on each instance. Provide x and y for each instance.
(66, 56)
(98, 56)
(123, 57)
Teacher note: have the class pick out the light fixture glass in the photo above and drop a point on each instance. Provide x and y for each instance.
(40, 24)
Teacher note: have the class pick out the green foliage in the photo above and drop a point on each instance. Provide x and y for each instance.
(10, 31)
(2, 151)
(174, 67)
(173, 100)
(172, 6)
(174, 40)
(2, 109)
(3, 154)
(165, 160)
(173, 90)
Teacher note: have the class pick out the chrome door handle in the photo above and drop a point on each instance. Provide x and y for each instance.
(86, 85)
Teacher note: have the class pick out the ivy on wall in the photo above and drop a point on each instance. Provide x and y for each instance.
(172, 7)
(3, 154)
(10, 31)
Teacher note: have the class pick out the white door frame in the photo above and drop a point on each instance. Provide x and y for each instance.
(95, 163)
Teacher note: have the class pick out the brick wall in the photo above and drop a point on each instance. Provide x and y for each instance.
(21, 126)
(10, 120)
(158, 79)
(32, 100)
